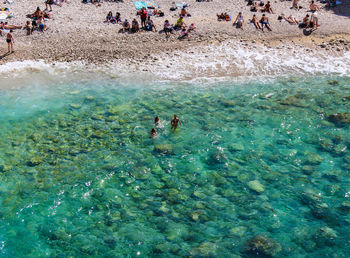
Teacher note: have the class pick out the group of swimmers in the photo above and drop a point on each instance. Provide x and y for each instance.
(175, 122)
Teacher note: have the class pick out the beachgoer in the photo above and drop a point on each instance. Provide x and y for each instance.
(117, 17)
(291, 19)
(306, 22)
(254, 7)
(109, 17)
(191, 28)
(239, 20)
(175, 122)
(143, 16)
(126, 25)
(255, 22)
(157, 120)
(167, 28)
(314, 20)
(267, 8)
(153, 133)
(135, 26)
(179, 23)
(314, 7)
(265, 21)
(49, 3)
(150, 25)
(10, 41)
(29, 27)
(38, 13)
(295, 4)
(184, 34)
(184, 13)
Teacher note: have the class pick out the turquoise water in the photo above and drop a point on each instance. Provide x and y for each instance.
(256, 170)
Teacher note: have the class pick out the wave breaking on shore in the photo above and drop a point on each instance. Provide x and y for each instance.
(213, 61)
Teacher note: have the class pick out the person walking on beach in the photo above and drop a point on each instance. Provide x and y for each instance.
(10, 41)
(175, 122)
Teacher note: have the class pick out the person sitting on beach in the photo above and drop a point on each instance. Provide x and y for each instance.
(167, 28)
(41, 24)
(184, 34)
(295, 5)
(175, 122)
(184, 13)
(150, 25)
(38, 13)
(49, 3)
(314, 7)
(306, 22)
(135, 26)
(255, 22)
(29, 27)
(153, 133)
(254, 7)
(109, 17)
(265, 21)
(179, 23)
(291, 19)
(126, 25)
(267, 8)
(239, 21)
(117, 18)
(191, 28)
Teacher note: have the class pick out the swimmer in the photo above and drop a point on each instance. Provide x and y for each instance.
(174, 122)
(153, 133)
(157, 120)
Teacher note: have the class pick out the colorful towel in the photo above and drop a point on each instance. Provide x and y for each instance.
(139, 5)
(3, 16)
(152, 4)
(180, 5)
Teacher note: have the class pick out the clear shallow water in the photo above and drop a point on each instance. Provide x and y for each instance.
(258, 169)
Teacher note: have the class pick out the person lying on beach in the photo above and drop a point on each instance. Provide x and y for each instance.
(314, 7)
(184, 13)
(150, 25)
(255, 21)
(175, 122)
(267, 8)
(239, 21)
(5, 26)
(135, 26)
(265, 21)
(126, 25)
(305, 23)
(49, 3)
(295, 5)
(223, 17)
(158, 12)
(168, 28)
(291, 19)
(179, 23)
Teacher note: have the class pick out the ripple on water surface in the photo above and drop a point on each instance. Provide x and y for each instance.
(257, 169)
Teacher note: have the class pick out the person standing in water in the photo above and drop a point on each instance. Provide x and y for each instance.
(175, 122)
(10, 40)
(153, 133)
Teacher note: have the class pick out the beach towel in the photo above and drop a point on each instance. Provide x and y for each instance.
(152, 5)
(10, 1)
(180, 5)
(140, 4)
(3, 16)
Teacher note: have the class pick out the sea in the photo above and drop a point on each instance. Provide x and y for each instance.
(259, 166)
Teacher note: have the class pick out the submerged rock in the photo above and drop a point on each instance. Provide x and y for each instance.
(325, 236)
(34, 161)
(256, 186)
(313, 159)
(339, 119)
(163, 149)
(261, 246)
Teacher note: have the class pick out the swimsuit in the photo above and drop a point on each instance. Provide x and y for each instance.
(8, 40)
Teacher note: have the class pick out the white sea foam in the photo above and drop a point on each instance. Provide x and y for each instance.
(215, 62)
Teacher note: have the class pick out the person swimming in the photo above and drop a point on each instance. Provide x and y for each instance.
(175, 122)
(153, 133)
